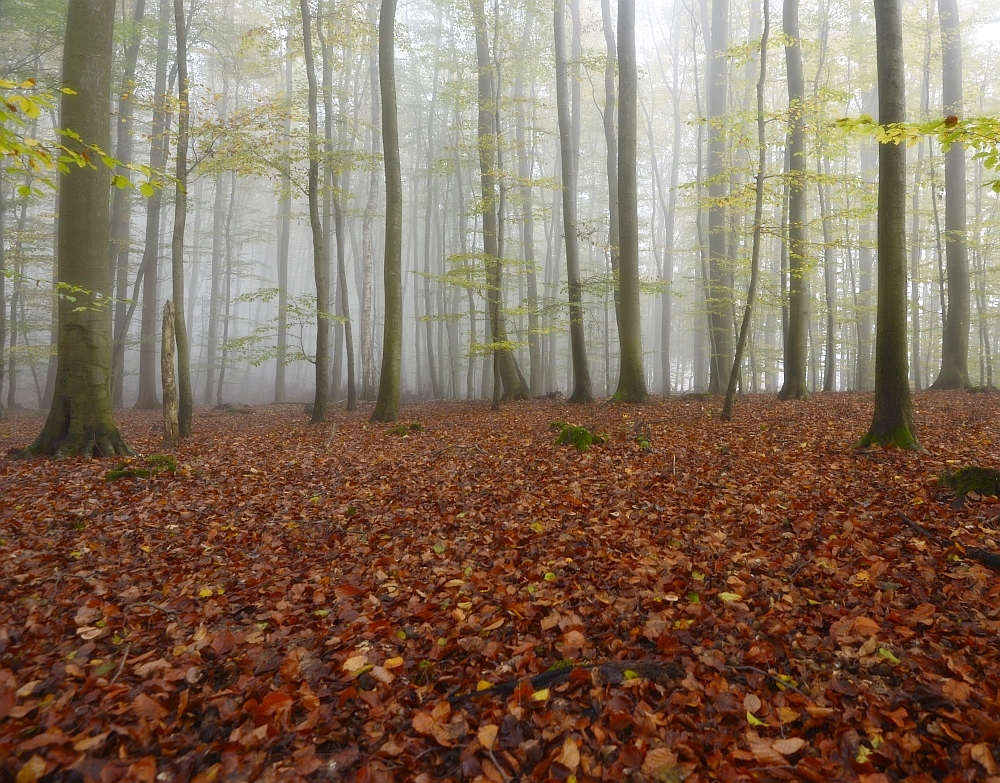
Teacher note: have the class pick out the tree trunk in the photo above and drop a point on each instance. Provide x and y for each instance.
(387, 405)
(720, 275)
(505, 367)
(185, 401)
(171, 435)
(121, 207)
(81, 421)
(758, 215)
(159, 145)
(368, 377)
(892, 422)
(955, 340)
(321, 266)
(582, 391)
(796, 359)
(284, 235)
(611, 143)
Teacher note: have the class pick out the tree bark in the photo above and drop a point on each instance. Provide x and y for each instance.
(81, 421)
(955, 340)
(171, 434)
(892, 421)
(284, 232)
(796, 359)
(631, 378)
(387, 404)
(185, 400)
(582, 390)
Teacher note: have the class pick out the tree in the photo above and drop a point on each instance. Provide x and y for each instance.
(719, 281)
(727, 408)
(892, 422)
(387, 404)
(955, 340)
(794, 386)
(631, 378)
(185, 398)
(321, 261)
(80, 420)
(582, 391)
(506, 374)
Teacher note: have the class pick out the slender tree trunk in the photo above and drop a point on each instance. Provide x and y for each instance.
(3, 278)
(611, 143)
(185, 401)
(955, 340)
(892, 421)
(321, 266)
(916, 372)
(368, 376)
(284, 236)
(121, 207)
(631, 378)
(829, 277)
(387, 405)
(582, 390)
(721, 301)
(159, 145)
(758, 217)
(171, 434)
(796, 358)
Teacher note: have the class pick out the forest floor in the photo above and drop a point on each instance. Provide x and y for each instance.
(743, 601)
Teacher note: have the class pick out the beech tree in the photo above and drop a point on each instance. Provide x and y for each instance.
(80, 420)
(892, 421)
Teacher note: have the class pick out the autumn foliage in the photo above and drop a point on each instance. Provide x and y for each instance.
(468, 600)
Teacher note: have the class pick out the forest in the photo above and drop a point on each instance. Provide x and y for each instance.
(494, 391)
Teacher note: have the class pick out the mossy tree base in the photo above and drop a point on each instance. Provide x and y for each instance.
(901, 437)
(82, 440)
(950, 378)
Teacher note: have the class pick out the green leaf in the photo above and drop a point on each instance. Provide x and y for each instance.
(730, 597)
(147, 189)
(886, 654)
(439, 548)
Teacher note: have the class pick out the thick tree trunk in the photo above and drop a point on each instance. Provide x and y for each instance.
(955, 340)
(80, 421)
(796, 359)
(387, 404)
(582, 390)
(631, 378)
(892, 422)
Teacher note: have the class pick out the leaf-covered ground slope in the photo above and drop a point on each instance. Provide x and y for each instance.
(689, 600)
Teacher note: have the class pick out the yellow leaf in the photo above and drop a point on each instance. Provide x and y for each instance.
(393, 663)
(205, 592)
(753, 720)
(541, 695)
(484, 685)
(488, 735)
(730, 597)
(31, 771)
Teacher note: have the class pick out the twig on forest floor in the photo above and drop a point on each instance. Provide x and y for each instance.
(122, 664)
(496, 764)
(170, 612)
(781, 683)
(982, 556)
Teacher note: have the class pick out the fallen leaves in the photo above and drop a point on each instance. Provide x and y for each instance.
(297, 604)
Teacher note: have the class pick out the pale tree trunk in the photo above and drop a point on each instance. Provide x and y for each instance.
(284, 234)
(81, 421)
(159, 144)
(387, 404)
(916, 370)
(720, 275)
(631, 377)
(526, 155)
(582, 391)
(3, 279)
(866, 265)
(507, 377)
(758, 217)
(368, 376)
(892, 421)
(321, 266)
(611, 143)
(171, 435)
(185, 401)
(121, 208)
(215, 302)
(796, 359)
(431, 202)
(955, 340)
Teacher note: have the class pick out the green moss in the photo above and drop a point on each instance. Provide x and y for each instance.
(143, 468)
(982, 481)
(582, 438)
(901, 438)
